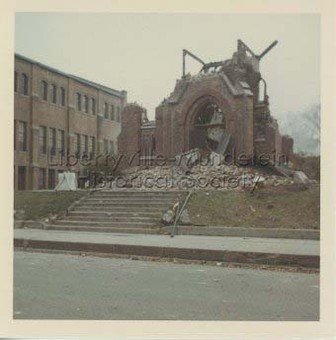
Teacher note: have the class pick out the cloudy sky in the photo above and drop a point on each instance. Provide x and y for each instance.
(142, 53)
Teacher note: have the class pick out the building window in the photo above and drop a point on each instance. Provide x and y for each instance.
(24, 84)
(44, 90)
(51, 179)
(61, 141)
(92, 146)
(86, 144)
(93, 106)
(112, 147)
(42, 178)
(21, 177)
(62, 96)
(79, 101)
(86, 104)
(112, 112)
(53, 94)
(52, 141)
(118, 114)
(106, 114)
(105, 146)
(22, 136)
(78, 145)
(43, 139)
(15, 81)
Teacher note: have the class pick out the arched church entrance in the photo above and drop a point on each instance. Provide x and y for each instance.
(208, 127)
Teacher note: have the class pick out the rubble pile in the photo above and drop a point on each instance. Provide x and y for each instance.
(198, 177)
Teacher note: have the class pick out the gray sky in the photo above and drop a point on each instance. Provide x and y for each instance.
(142, 53)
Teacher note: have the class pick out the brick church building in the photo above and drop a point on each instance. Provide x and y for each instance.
(223, 108)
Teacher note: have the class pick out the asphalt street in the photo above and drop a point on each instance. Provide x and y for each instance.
(63, 286)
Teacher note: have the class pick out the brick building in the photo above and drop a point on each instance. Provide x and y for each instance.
(224, 108)
(58, 118)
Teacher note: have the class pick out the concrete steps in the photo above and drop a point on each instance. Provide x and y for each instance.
(118, 230)
(111, 224)
(120, 212)
(84, 214)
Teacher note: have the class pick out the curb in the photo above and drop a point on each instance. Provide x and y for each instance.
(300, 234)
(303, 234)
(303, 261)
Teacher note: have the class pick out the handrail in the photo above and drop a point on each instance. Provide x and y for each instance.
(179, 213)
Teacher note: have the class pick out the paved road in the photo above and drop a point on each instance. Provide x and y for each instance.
(63, 286)
(249, 244)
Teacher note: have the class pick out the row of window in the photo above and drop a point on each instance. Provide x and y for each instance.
(52, 180)
(85, 145)
(111, 113)
(58, 96)
(108, 147)
(84, 103)
(21, 85)
(42, 179)
(51, 140)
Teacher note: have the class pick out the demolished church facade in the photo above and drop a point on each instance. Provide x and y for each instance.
(223, 109)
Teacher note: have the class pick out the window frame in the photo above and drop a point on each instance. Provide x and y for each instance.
(78, 101)
(44, 90)
(24, 84)
(52, 141)
(106, 111)
(53, 94)
(86, 103)
(63, 98)
(23, 136)
(93, 106)
(42, 140)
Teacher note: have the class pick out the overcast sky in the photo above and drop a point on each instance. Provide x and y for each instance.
(142, 53)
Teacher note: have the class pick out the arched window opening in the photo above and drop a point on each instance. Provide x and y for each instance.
(262, 91)
(24, 84)
(208, 130)
(53, 94)
(86, 104)
(62, 96)
(44, 90)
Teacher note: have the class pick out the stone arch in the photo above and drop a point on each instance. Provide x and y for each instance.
(262, 90)
(193, 109)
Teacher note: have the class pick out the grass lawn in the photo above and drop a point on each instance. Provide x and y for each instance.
(37, 205)
(276, 207)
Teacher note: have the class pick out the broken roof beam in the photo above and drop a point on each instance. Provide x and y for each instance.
(267, 49)
(186, 52)
(241, 44)
(207, 66)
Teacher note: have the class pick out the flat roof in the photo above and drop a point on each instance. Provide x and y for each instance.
(103, 88)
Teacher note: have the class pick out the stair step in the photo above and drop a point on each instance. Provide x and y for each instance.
(128, 230)
(118, 209)
(107, 224)
(130, 199)
(113, 218)
(137, 192)
(93, 213)
(125, 204)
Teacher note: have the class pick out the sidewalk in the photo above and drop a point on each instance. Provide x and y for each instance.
(209, 248)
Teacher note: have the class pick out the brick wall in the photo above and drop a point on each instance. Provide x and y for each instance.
(37, 112)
